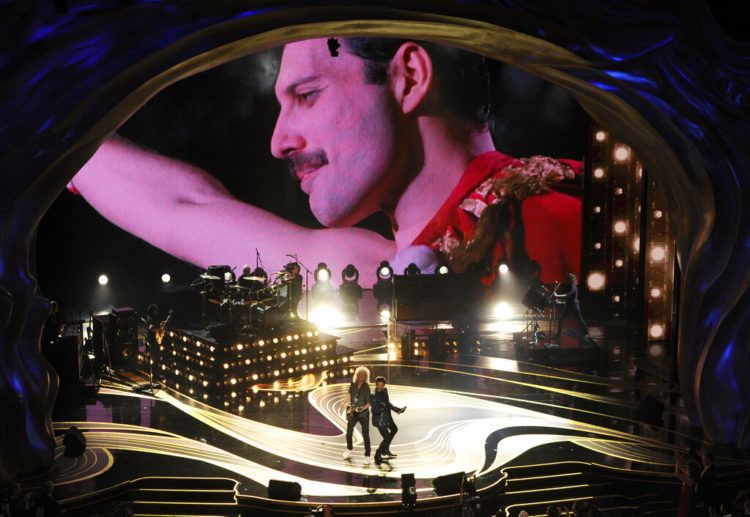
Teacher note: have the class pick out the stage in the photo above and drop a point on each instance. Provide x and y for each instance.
(531, 434)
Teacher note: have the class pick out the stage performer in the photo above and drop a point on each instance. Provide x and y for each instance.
(294, 294)
(389, 125)
(358, 411)
(383, 420)
(572, 307)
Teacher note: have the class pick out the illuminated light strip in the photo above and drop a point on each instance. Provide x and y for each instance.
(621, 434)
(199, 451)
(608, 448)
(442, 445)
(124, 484)
(566, 474)
(562, 391)
(547, 489)
(85, 472)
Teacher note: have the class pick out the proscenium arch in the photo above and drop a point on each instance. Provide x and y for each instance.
(688, 190)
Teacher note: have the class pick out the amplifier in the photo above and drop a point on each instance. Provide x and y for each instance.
(66, 355)
(436, 297)
(116, 338)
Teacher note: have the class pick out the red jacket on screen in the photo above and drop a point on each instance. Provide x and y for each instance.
(552, 221)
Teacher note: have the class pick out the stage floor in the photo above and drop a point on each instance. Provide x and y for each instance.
(472, 414)
(532, 435)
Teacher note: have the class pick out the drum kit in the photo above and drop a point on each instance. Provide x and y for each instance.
(248, 302)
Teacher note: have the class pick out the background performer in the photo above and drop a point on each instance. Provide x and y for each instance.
(572, 307)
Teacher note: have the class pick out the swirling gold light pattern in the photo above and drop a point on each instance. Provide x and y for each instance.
(441, 433)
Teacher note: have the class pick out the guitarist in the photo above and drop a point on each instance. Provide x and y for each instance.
(358, 411)
(155, 335)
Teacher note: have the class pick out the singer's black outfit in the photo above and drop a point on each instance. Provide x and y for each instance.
(359, 396)
(383, 420)
(295, 292)
(572, 310)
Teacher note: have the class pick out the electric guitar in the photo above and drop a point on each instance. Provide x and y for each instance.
(162, 330)
(353, 410)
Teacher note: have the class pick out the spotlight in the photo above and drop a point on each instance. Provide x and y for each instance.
(322, 291)
(620, 227)
(619, 263)
(103, 279)
(326, 317)
(412, 269)
(503, 311)
(503, 269)
(385, 313)
(595, 281)
(443, 270)
(600, 136)
(656, 331)
(322, 273)
(598, 173)
(636, 245)
(166, 278)
(385, 271)
(351, 292)
(658, 253)
(655, 292)
(622, 153)
(658, 214)
(383, 288)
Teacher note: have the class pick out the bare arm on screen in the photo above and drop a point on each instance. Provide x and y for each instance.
(186, 212)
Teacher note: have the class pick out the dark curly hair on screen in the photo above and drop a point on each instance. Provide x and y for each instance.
(462, 77)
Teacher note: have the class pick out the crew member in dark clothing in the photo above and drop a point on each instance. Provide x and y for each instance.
(705, 487)
(572, 307)
(383, 420)
(358, 411)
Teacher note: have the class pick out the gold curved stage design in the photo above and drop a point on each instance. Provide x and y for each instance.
(442, 432)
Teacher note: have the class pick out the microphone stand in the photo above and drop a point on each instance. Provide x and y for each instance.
(307, 284)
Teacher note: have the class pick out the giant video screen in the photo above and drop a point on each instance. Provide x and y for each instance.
(346, 151)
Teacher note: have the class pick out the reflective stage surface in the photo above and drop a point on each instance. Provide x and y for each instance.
(531, 434)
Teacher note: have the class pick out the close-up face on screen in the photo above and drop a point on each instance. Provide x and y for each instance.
(345, 151)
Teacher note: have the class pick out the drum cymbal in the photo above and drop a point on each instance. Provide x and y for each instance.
(253, 278)
(206, 276)
(239, 287)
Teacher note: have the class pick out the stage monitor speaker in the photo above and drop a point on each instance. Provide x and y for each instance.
(74, 442)
(448, 484)
(436, 297)
(408, 490)
(650, 411)
(284, 490)
(66, 354)
(123, 338)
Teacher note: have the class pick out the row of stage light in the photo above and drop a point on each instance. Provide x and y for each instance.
(350, 291)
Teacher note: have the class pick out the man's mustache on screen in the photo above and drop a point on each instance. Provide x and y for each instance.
(306, 161)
